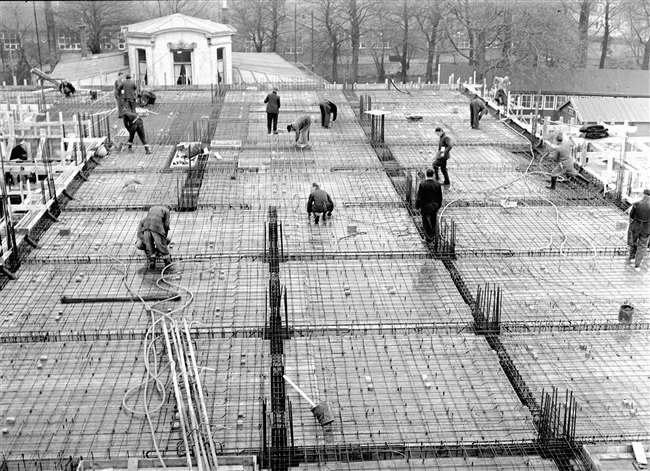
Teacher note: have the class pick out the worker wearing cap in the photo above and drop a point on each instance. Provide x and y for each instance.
(133, 123)
(638, 232)
(319, 203)
(272, 101)
(301, 127)
(327, 109)
(117, 94)
(152, 234)
(562, 155)
(128, 92)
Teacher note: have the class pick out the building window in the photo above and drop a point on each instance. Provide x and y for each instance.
(289, 50)
(362, 44)
(549, 102)
(183, 66)
(67, 43)
(526, 101)
(561, 100)
(10, 41)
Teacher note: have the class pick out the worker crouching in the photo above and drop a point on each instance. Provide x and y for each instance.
(152, 235)
(319, 203)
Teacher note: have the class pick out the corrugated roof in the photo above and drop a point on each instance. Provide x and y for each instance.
(178, 21)
(98, 69)
(604, 82)
(266, 67)
(608, 109)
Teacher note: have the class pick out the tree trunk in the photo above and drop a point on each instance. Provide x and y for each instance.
(431, 47)
(51, 33)
(354, 37)
(583, 28)
(274, 27)
(405, 43)
(335, 62)
(605, 44)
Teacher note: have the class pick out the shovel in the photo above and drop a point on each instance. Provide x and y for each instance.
(322, 412)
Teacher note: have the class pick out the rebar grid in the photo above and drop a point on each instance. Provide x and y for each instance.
(137, 161)
(607, 372)
(291, 190)
(465, 158)
(585, 231)
(367, 294)
(561, 290)
(387, 389)
(72, 393)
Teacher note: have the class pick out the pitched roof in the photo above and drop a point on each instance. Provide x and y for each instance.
(604, 82)
(266, 67)
(608, 109)
(98, 69)
(177, 21)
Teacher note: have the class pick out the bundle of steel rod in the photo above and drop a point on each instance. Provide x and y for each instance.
(607, 372)
(366, 293)
(398, 389)
(560, 290)
(545, 230)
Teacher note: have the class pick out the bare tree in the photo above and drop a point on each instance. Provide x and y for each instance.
(331, 16)
(638, 15)
(18, 20)
(583, 27)
(360, 12)
(157, 8)
(100, 17)
(428, 17)
(260, 21)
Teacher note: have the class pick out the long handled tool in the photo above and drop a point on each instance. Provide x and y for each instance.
(322, 412)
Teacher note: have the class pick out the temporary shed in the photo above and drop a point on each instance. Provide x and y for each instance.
(610, 110)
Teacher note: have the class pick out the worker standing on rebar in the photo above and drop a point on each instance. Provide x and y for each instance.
(301, 127)
(327, 110)
(319, 203)
(117, 93)
(152, 235)
(272, 101)
(638, 233)
(128, 91)
(440, 162)
(428, 201)
(477, 109)
(561, 154)
(501, 84)
(133, 123)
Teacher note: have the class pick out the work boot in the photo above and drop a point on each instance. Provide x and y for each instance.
(316, 219)
(168, 261)
(152, 263)
(146, 150)
(553, 182)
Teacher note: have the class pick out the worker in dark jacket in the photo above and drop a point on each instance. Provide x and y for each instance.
(440, 162)
(428, 201)
(148, 97)
(66, 88)
(638, 232)
(272, 101)
(562, 155)
(152, 235)
(128, 91)
(133, 123)
(327, 109)
(319, 202)
(301, 127)
(117, 93)
(477, 109)
(19, 152)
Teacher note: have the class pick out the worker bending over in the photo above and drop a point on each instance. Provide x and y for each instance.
(327, 109)
(319, 203)
(66, 88)
(477, 109)
(638, 233)
(301, 127)
(562, 155)
(133, 123)
(152, 235)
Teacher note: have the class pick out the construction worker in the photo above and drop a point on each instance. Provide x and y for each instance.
(117, 93)
(561, 154)
(128, 92)
(148, 97)
(428, 201)
(440, 162)
(638, 233)
(152, 235)
(319, 203)
(133, 123)
(477, 109)
(301, 127)
(66, 88)
(272, 101)
(19, 152)
(327, 108)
